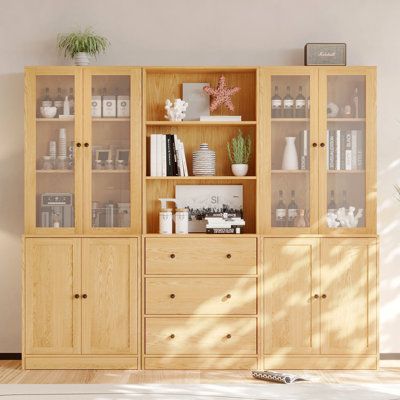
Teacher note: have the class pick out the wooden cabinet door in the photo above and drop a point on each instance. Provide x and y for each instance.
(290, 282)
(109, 291)
(348, 296)
(52, 279)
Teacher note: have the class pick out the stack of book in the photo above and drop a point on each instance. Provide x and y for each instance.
(303, 146)
(345, 150)
(224, 223)
(167, 156)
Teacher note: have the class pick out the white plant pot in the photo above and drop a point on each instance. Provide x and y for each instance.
(82, 59)
(290, 160)
(240, 169)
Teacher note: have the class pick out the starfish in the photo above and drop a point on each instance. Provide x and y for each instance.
(221, 94)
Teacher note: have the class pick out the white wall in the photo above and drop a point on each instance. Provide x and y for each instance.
(199, 32)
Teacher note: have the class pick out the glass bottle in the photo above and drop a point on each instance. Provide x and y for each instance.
(292, 210)
(280, 211)
(71, 99)
(332, 204)
(288, 104)
(59, 102)
(46, 101)
(300, 221)
(356, 103)
(344, 203)
(276, 104)
(300, 104)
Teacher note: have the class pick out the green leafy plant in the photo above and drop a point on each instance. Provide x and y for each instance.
(82, 42)
(239, 149)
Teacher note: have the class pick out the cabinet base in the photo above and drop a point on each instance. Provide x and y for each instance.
(80, 362)
(320, 362)
(200, 363)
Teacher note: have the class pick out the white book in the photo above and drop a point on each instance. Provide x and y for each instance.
(337, 153)
(221, 118)
(153, 155)
(180, 152)
(185, 168)
(159, 155)
(347, 153)
(163, 155)
(353, 149)
(178, 155)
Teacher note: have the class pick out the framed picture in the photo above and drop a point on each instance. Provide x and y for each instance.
(198, 99)
(122, 154)
(103, 155)
(201, 200)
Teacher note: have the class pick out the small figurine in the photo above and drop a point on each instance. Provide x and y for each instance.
(175, 111)
(343, 219)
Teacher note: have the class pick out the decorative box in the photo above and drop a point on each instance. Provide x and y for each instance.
(325, 54)
(96, 106)
(123, 105)
(109, 106)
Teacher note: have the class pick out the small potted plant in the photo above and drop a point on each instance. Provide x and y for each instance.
(81, 45)
(239, 152)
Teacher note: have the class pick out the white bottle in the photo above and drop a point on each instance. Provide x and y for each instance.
(166, 221)
(66, 106)
(181, 221)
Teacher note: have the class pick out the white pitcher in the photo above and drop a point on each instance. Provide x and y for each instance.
(290, 160)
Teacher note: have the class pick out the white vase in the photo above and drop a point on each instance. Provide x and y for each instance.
(240, 169)
(81, 59)
(290, 160)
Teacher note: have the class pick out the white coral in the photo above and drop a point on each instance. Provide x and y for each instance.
(343, 218)
(175, 111)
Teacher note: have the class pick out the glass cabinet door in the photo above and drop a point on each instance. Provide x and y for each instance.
(291, 129)
(347, 193)
(53, 162)
(111, 139)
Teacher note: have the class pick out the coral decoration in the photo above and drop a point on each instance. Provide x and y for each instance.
(176, 110)
(221, 94)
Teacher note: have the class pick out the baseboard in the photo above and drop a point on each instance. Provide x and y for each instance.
(390, 356)
(10, 356)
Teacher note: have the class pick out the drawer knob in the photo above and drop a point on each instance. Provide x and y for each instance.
(322, 144)
(314, 144)
(86, 144)
(228, 336)
(172, 336)
(228, 296)
(172, 255)
(229, 256)
(84, 296)
(316, 296)
(77, 296)
(78, 144)
(172, 295)
(324, 296)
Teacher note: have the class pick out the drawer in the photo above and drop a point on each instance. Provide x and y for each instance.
(201, 336)
(201, 255)
(200, 295)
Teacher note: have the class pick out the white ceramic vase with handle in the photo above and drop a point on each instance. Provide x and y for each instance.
(290, 160)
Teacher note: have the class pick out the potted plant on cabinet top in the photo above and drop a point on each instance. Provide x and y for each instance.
(239, 152)
(81, 45)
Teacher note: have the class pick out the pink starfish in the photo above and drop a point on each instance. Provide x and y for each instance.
(221, 94)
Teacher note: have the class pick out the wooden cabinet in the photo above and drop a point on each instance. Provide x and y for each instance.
(52, 280)
(79, 305)
(320, 298)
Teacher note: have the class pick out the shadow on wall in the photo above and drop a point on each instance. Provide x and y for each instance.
(12, 154)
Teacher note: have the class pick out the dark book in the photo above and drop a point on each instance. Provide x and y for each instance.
(175, 156)
(224, 231)
(170, 157)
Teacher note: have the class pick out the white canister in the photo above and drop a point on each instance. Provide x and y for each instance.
(123, 106)
(181, 221)
(96, 106)
(109, 106)
(166, 221)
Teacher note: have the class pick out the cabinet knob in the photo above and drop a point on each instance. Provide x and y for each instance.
(316, 296)
(172, 255)
(229, 256)
(86, 144)
(322, 144)
(228, 296)
(78, 144)
(84, 296)
(314, 145)
(172, 336)
(76, 296)
(172, 295)
(228, 336)
(324, 296)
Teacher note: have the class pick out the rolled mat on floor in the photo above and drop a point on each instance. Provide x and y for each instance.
(279, 377)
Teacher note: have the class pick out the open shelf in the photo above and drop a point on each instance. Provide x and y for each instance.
(200, 123)
(203, 177)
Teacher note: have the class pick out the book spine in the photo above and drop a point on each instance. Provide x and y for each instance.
(164, 155)
(360, 150)
(185, 168)
(178, 155)
(342, 150)
(159, 169)
(175, 156)
(347, 155)
(153, 155)
(331, 155)
(170, 157)
(354, 149)
(223, 231)
(303, 150)
(337, 150)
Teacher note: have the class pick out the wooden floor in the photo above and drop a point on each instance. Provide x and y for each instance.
(11, 372)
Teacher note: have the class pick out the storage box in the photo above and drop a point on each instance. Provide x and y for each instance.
(123, 106)
(325, 54)
(109, 106)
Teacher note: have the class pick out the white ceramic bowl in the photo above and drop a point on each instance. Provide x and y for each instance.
(48, 112)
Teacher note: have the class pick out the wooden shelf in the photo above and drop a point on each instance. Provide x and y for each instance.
(196, 178)
(111, 119)
(55, 120)
(290, 119)
(346, 119)
(54, 171)
(110, 171)
(289, 171)
(342, 171)
(200, 123)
